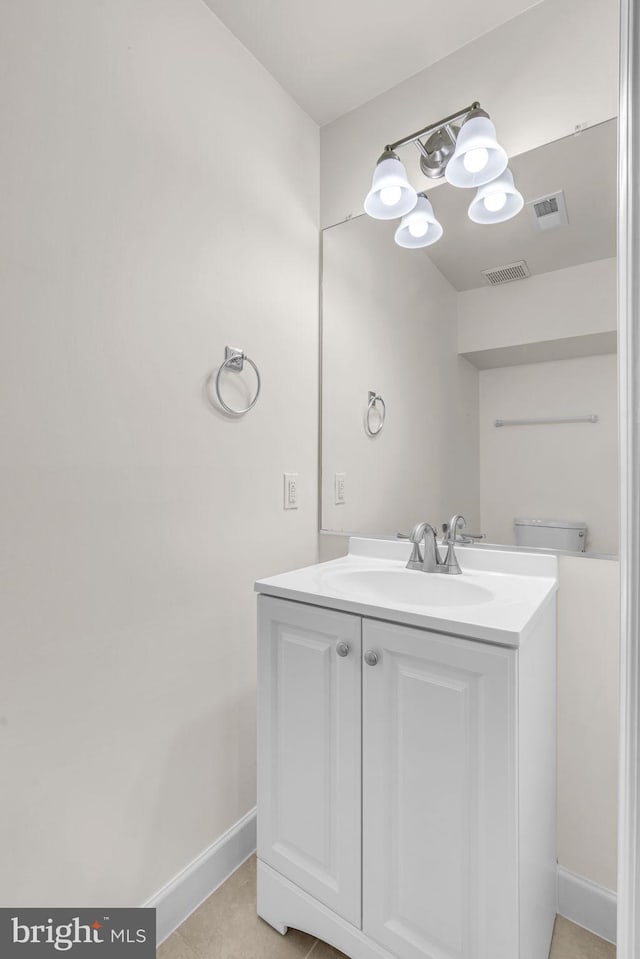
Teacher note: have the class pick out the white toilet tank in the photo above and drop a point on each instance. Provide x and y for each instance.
(550, 534)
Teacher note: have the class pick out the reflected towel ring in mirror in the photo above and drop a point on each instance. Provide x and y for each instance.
(235, 360)
(371, 406)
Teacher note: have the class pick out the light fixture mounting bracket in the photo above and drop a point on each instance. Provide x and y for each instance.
(436, 152)
(438, 147)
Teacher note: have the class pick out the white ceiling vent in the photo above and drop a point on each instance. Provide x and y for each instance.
(548, 212)
(506, 274)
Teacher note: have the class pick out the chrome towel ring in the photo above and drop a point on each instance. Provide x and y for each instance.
(373, 399)
(235, 360)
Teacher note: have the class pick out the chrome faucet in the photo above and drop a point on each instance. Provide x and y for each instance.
(429, 561)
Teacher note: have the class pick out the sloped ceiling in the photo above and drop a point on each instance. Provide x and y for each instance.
(584, 166)
(335, 55)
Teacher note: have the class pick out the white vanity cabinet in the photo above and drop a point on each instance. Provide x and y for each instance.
(392, 763)
(439, 800)
(309, 750)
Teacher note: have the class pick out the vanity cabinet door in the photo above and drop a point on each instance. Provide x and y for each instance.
(439, 795)
(309, 750)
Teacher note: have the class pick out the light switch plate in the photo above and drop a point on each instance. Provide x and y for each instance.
(290, 490)
(340, 480)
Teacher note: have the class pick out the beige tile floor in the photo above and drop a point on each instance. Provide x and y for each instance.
(226, 927)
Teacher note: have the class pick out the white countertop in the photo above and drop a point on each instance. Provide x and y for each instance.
(521, 584)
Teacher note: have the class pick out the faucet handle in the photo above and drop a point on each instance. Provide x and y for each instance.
(417, 533)
(450, 563)
(456, 522)
(428, 561)
(416, 560)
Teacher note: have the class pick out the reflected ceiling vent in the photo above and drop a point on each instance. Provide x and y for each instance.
(498, 275)
(548, 212)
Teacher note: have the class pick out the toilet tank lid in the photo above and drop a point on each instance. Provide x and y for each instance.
(554, 523)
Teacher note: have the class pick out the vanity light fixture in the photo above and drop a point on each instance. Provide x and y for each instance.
(478, 157)
(463, 148)
(391, 195)
(496, 201)
(419, 227)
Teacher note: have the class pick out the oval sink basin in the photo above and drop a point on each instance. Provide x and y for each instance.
(406, 587)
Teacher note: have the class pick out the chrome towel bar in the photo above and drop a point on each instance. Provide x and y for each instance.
(548, 420)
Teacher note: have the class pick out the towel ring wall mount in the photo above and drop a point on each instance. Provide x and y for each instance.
(374, 399)
(234, 360)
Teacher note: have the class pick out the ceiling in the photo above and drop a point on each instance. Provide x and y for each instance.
(335, 55)
(583, 165)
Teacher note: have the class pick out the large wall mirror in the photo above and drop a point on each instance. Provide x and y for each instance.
(452, 355)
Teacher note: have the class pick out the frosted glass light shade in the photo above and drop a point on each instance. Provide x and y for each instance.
(478, 157)
(391, 195)
(419, 227)
(487, 205)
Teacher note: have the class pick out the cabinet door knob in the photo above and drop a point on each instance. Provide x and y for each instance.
(370, 657)
(342, 648)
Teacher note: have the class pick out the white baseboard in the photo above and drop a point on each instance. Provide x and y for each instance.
(183, 894)
(587, 904)
(584, 902)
